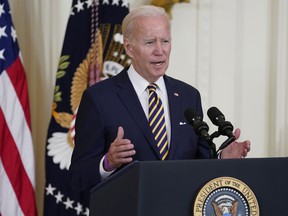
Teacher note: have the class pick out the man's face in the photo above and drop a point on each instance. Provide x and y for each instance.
(150, 47)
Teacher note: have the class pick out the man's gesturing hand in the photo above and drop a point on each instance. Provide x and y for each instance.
(236, 149)
(120, 151)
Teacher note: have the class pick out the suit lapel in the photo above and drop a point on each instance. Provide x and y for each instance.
(173, 100)
(131, 102)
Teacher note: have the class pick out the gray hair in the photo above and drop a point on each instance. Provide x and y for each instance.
(142, 11)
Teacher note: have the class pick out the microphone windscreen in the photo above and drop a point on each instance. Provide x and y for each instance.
(190, 115)
(214, 113)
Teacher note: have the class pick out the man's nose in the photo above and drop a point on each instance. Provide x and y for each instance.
(158, 48)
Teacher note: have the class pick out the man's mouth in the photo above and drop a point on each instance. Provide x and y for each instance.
(158, 63)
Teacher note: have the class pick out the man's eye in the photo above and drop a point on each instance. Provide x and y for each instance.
(149, 42)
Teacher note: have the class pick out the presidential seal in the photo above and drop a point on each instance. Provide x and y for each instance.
(225, 196)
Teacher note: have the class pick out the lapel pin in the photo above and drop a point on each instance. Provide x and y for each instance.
(176, 94)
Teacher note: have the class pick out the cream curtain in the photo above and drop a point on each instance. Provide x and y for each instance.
(40, 27)
(279, 79)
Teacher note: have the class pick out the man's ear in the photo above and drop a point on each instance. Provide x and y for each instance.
(128, 47)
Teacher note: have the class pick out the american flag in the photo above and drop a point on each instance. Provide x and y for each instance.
(17, 181)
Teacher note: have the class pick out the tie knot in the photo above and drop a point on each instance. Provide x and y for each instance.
(152, 87)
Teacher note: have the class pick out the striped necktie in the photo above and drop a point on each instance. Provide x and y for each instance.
(157, 120)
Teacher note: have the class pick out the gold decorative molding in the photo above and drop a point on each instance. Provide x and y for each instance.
(167, 4)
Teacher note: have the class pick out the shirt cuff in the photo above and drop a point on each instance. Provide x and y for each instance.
(219, 155)
(103, 173)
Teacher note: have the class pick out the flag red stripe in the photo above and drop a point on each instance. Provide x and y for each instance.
(14, 168)
(17, 77)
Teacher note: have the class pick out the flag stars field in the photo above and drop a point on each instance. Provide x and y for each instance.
(2, 11)
(2, 32)
(2, 54)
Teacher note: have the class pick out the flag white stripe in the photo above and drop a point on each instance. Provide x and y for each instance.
(17, 124)
(8, 206)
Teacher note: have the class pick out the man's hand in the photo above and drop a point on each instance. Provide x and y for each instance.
(120, 151)
(236, 149)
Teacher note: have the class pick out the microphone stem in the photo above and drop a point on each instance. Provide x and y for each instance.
(226, 143)
(212, 149)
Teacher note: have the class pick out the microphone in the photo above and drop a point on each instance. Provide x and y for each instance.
(224, 127)
(194, 119)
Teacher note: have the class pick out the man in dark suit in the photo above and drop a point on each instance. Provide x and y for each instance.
(112, 125)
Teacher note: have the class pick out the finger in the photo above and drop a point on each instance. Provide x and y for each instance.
(126, 154)
(248, 145)
(120, 133)
(122, 158)
(125, 160)
(244, 154)
(125, 147)
(237, 133)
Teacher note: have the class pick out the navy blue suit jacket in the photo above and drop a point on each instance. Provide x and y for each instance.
(112, 103)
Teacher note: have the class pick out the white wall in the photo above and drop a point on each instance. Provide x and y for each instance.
(233, 51)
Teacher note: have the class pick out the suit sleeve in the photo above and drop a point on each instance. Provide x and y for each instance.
(89, 144)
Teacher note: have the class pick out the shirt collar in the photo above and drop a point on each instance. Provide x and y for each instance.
(140, 84)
